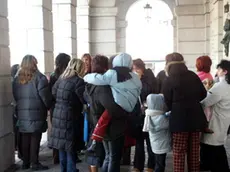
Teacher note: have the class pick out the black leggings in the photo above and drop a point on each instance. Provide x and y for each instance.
(214, 157)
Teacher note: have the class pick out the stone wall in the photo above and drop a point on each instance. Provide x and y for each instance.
(191, 39)
(6, 128)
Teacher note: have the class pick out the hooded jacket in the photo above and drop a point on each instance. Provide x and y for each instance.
(125, 93)
(183, 91)
(218, 100)
(66, 127)
(157, 124)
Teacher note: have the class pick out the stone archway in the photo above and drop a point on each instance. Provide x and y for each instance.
(123, 7)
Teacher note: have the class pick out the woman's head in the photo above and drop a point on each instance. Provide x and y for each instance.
(86, 58)
(27, 69)
(174, 64)
(174, 57)
(76, 67)
(61, 62)
(203, 64)
(138, 66)
(223, 70)
(100, 64)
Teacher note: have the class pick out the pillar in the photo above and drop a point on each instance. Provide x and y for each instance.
(40, 33)
(121, 35)
(190, 30)
(65, 27)
(83, 41)
(216, 30)
(207, 26)
(102, 31)
(6, 128)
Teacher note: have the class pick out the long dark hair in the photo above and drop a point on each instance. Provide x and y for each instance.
(61, 62)
(225, 65)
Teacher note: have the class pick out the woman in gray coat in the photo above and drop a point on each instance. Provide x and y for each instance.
(33, 98)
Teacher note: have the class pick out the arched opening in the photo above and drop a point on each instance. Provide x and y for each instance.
(25, 35)
(150, 39)
(17, 12)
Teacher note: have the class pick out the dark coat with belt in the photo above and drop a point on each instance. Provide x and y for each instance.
(33, 101)
(65, 132)
(183, 91)
(53, 79)
(101, 98)
(149, 84)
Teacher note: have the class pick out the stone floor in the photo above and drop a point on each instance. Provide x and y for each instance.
(46, 158)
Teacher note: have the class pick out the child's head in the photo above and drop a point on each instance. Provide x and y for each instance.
(156, 102)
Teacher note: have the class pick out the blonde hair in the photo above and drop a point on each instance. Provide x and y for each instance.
(75, 67)
(27, 69)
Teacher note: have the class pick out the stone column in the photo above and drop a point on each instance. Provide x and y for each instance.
(216, 30)
(102, 30)
(65, 27)
(83, 41)
(40, 33)
(174, 24)
(207, 26)
(121, 35)
(190, 30)
(6, 127)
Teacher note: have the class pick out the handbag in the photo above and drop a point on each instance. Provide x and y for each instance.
(136, 121)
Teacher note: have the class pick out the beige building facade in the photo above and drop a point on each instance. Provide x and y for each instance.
(97, 26)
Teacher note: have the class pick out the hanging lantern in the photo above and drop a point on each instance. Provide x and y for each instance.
(226, 8)
(148, 11)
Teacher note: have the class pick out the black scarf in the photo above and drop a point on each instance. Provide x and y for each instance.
(123, 73)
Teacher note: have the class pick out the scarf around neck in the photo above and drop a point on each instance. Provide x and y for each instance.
(123, 73)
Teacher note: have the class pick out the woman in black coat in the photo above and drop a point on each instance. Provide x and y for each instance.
(149, 86)
(183, 91)
(101, 98)
(65, 132)
(61, 62)
(33, 98)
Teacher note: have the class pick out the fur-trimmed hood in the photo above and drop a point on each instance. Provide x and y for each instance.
(170, 64)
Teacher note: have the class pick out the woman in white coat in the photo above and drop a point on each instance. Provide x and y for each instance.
(218, 99)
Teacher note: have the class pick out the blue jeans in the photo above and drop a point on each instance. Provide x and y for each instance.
(67, 161)
(113, 154)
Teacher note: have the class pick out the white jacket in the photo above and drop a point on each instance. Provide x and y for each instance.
(158, 127)
(218, 99)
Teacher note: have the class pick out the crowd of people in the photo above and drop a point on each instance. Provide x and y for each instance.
(105, 106)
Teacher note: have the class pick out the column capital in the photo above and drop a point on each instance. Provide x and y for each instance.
(98, 12)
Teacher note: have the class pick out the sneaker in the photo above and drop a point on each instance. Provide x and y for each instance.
(39, 167)
(135, 170)
(25, 166)
(149, 170)
(78, 160)
(92, 147)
